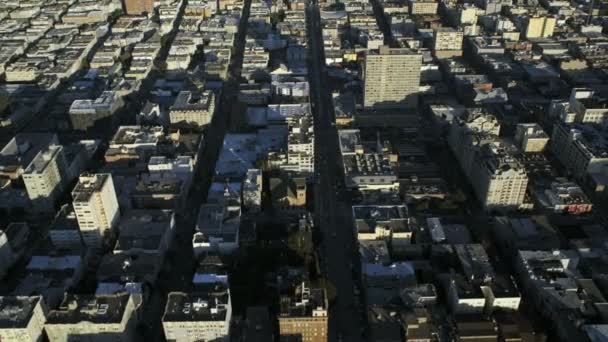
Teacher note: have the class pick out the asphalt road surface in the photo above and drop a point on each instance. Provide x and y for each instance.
(332, 214)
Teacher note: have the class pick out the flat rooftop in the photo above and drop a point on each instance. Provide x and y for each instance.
(89, 184)
(16, 312)
(201, 306)
(102, 309)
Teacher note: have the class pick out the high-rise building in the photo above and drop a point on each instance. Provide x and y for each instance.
(44, 178)
(138, 6)
(96, 206)
(391, 78)
(498, 178)
(540, 27)
(303, 315)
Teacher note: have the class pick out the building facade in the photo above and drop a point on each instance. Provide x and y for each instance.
(96, 206)
(138, 6)
(303, 316)
(22, 319)
(44, 178)
(195, 317)
(391, 78)
(92, 318)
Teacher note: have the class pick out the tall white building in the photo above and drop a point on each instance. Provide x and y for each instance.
(96, 206)
(498, 179)
(44, 178)
(391, 78)
(22, 319)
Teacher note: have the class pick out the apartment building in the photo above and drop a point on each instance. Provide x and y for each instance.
(303, 315)
(391, 78)
(192, 109)
(22, 319)
(93, 318)
(204, 316)
(45, 178)
(96, 206)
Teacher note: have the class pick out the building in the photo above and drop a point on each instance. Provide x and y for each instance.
(145, 231)
(21, 150)
(22, 319)
(382, 222)
(13, 243)
(45, 178)
(447, 42)
(288, 194)
(391, 78)
(531, 138)
(204, 316)
(423, 6)
(582, 149)
(138, 6)
(252, 190)
(192, 109)
(567, 197)
(92, 318)
(499, 180)
(539, 26)
(84, 114)
(300, 146)
(464, 297)
(303, 315)
(64, 231)
(367, 168)
(134, 142)
(96, 206)
(217, 228)
(498, 177)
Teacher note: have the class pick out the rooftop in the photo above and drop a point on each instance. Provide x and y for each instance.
(43, 158)
(94, 309)
(89, 184)
(201, 306)
(15, 312)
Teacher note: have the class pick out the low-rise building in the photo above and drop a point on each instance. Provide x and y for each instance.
(252, 190)
(288, 194)
(22, 319)
(303, 314)
(192, 109)
(92, 317)
(64, 231)
(217, 229)
(85, 113)
(580, 148)
(203, 316)
(382, 222)
(531, 138)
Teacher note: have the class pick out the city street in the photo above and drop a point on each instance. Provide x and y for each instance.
(331, 213)
(179, 268)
